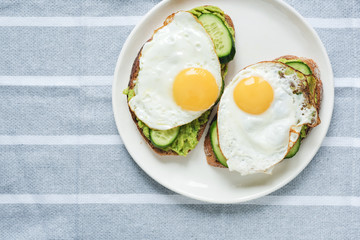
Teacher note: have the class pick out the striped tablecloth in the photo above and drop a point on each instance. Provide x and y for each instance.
(64, 173)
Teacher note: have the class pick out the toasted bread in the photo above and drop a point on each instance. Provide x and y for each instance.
(210, 155)
(132, 82)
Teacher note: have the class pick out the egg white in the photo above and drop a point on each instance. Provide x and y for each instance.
(181, 44)
(255, 143)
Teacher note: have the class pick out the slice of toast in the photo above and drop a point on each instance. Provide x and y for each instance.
(209, 153)
(132, 83)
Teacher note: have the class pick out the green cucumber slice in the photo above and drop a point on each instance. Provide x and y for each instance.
(215, 144)
(300, 66)
(224, 43)
(163, 138)
(294, 149)
(221, 91)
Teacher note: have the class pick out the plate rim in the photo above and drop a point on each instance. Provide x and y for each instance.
(251, 196)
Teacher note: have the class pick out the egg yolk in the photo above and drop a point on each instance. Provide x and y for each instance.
(195, 89)
(253, 95)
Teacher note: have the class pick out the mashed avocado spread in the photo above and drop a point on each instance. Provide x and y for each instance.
(187, 138)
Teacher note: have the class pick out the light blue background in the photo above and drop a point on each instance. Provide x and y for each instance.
(108, 169)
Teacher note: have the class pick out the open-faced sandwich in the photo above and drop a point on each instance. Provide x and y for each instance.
(178, 76)
(264, 114)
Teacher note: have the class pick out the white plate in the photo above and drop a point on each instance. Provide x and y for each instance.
(264, 30)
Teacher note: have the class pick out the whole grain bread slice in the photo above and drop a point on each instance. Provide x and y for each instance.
(209, 153)
(134, 74)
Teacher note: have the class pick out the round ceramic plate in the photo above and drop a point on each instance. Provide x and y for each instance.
(264, 30)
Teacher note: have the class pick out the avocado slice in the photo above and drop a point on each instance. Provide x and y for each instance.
(312, 84)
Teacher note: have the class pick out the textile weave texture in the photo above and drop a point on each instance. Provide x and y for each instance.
(55, 102)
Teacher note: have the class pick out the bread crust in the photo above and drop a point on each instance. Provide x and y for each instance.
(134, 74)
(209, 153)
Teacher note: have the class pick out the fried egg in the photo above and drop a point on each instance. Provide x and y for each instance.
(179, 77)
(260, 116)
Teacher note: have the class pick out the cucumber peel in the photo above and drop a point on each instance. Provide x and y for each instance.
(295, 148)
(163, 138)
(215, 144)
(300, 66)
(221, 36)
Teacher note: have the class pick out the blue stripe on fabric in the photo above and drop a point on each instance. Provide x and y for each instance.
(110, 170)
(318, 177)
(60, 50)
(345, 116)
(52, 51)
(343, 50)
(41, 8)
(56, 111)
(72, 169)
(326, 9)
(39, 222)
(178, 222)
(60, 8)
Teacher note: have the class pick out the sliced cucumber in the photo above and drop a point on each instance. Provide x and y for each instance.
(163, 138)
(215, 144)
(224, 42)
(304, 69)
(300, 66)
(221, 92)
(294, 149)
